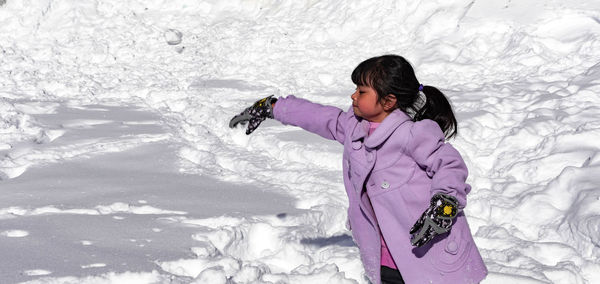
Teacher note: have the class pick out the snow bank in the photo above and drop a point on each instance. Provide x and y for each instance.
(15, 125)
(523, 78)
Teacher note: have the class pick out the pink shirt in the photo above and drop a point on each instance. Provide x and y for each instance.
(386, 257)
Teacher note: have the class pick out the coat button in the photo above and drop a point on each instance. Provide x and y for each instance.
(385, 185)
(452, 247)
(356, 145)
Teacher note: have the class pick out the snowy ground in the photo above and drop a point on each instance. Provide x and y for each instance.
(117, 165)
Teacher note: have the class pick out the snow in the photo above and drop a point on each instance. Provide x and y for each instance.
(117, 164)
(14, 234)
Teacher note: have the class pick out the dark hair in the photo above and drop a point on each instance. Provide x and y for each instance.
(392, 74)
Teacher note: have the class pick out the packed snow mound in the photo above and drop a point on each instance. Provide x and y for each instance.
(15, 125)
(523, 77)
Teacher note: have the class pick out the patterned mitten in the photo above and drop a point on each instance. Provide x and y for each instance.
(254, 115)
(436, 220)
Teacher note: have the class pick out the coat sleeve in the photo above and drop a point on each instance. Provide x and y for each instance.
(442, 162)
(326, 121)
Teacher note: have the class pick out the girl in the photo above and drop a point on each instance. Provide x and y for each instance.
(406, 186)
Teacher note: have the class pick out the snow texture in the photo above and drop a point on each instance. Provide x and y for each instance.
(117, 164)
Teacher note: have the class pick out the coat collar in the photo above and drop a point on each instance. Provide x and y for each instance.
(383, 132)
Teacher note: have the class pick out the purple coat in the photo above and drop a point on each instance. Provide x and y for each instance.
(398, 169)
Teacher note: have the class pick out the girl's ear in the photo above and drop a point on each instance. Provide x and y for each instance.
(389, 102)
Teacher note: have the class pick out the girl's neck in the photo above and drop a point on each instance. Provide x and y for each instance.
(373, 126)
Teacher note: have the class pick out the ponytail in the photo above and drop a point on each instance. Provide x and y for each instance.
(437, 108)
(393, 74)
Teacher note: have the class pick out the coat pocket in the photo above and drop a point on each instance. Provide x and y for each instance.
(453, 251)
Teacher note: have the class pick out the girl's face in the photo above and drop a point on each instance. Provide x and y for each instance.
(366, 105)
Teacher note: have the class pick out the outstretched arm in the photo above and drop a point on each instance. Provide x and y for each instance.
(326, 121)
